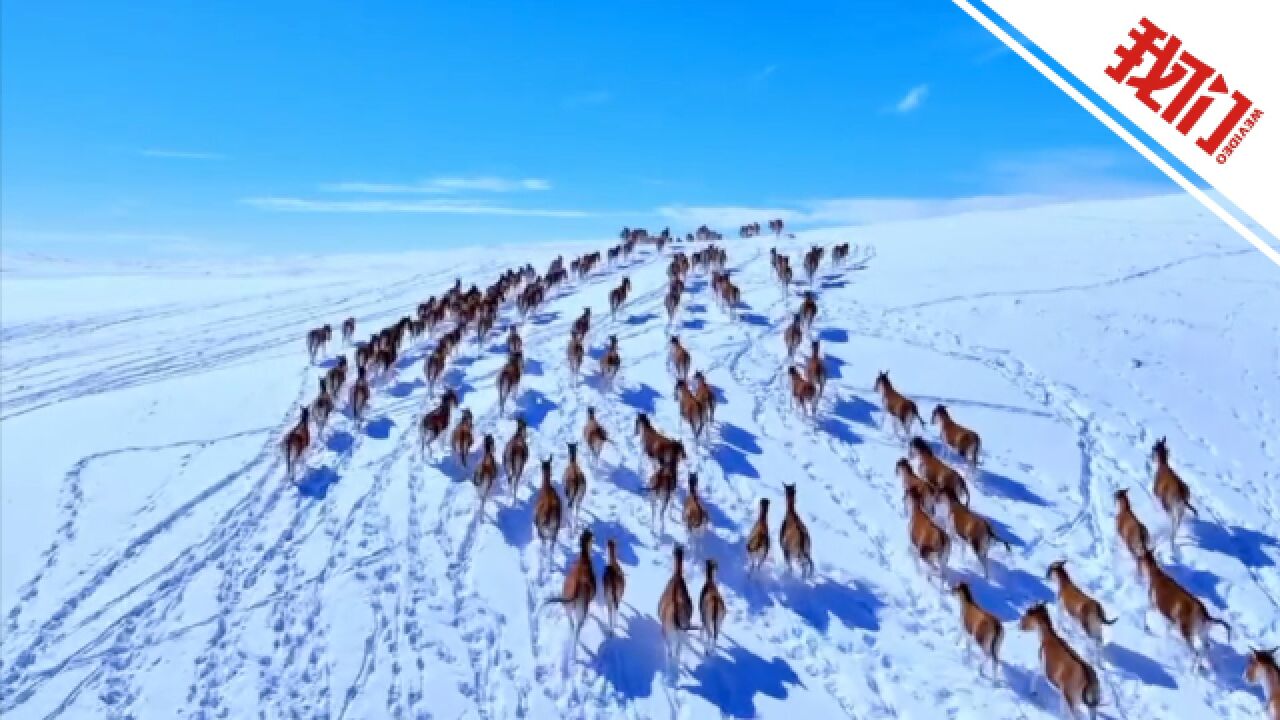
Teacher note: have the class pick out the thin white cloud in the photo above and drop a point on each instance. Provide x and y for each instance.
(442, 186)
(913, 99)
(181, 154)
(425, 207)
(597, 97)
(765, 73)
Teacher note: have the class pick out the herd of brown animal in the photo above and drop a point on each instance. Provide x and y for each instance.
(935, 493)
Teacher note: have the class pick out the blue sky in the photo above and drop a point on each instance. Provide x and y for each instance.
(189, 127)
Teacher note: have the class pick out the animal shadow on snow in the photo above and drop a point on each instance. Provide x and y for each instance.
(606, 530)
(636, 320)
(317, 482)
(995, 483)
(856, 410)
(403, 389)
(533, 367)
(834, 367)
(753, 318)
(1201, 583)
(833, 283)
(732, 451)
(631, 658)
(514, 520)
(833, 335)
(840, 430)
(755, 590)
(546, 318)
(329, 362)
(641, 399)
(379, 429)
(1034, 688)
(694, 324)
(625, 478)
(1138, 666)
(455, 378)
(733, 678)
(340, 442)
(851, 602)
(696, 307)
(535, 406)
(1007, 593)
(1247, 546)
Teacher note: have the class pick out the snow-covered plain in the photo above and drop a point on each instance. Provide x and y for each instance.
(156, 564)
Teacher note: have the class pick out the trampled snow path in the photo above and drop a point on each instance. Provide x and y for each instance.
(153, 558)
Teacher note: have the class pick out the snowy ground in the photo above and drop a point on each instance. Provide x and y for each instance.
(155, 565)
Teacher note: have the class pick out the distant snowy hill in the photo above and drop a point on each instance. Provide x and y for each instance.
(157, 564)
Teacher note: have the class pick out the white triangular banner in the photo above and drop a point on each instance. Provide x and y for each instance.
(1194, 77)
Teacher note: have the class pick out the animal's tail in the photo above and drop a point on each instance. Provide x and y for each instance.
(1103, 617)
(1192, 508)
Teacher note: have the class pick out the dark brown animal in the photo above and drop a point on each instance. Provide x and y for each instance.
(614, 582)
(809, 309)
(359, 395)
(575, 482)
(690, 409)
(436, 422)
(579, 588)
(793, 537)
(1173, 493)
(611, 362)
(675, 609)
(516, 454)
(593, 434)
(486, 471)
(793, 335)
(322, 406)
(706, 398)
(618, 296)
(712, 607)
(296, 442)
(695, 514)
(546, 509)
(509, 379)
(463, 436)
(758, 539)
(815, 368)
(348, 330)
(575, 353)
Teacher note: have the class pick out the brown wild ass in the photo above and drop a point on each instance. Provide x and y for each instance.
(593, 434)
(359, 395)
(695, 514)
(516, 454)
(985, 629)
(296, 442)
(509, 378)
(711, 608)
(793, 335)
(935, 472)
(317, 339)
(322, 406)
(618, 296)
(809, 309)
(1170, 490)
(463, 437)
(1182, 609)
(804, 394)
(974, 529)
(675, 609)
(575, 483)
(1078, 604)
(1132, 532)
(348, 330)
(962, 441)
(706, 398)
(793, 537)
(679, 358)
(913, 482)
(546, 510)
(896, 405)
(614, 581)
(1262, 670)
(690, 409)
(932, 545)
(611, 362)
(579, 589)
(758, 539)
(815, 367)
(486, 471)
(1074, 678)
(436, 422)
(575, 353)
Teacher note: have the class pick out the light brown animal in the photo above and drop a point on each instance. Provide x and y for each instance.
(296, 442)
(809, 309)
(675, 609)
(579, 588)
(690, 409)
(575, 483)
(509, 378)
(1173, 493)
(961, 440)
(1262, 670)
(546, 509)
(1185, 611)
(593, 434)
(1074, 678)
(662, 485)
(932, 545)
(679, 358)
(985, 629)
(711, 608)
(793, 537)
(486, 471)
(1132, 532)
(911, 481)
(793, 335)
(695, 514)
(974, 529)
(516, 454)
(1077, 603)
(463, 437)
(614, 582)
(758, 539)
(937, 473)
(896, 405)
(804, 396)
